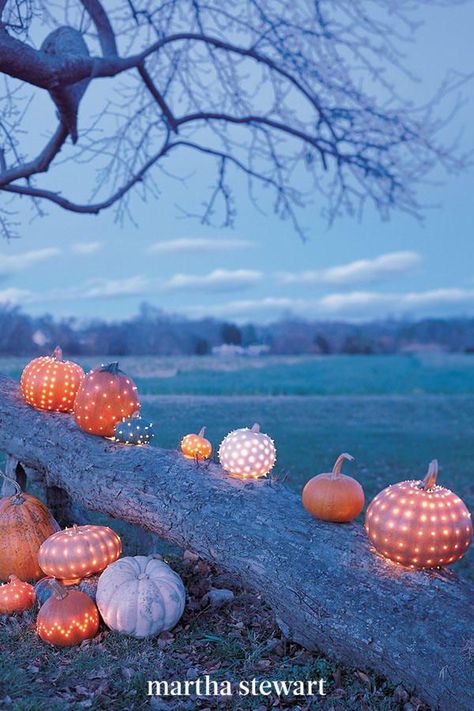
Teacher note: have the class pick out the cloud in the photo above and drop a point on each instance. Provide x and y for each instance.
(254, 307)
(108, 288)
(99, 289)
(370, 302)
(85, 248)
(358, 305)
(10, 263)
(16, 296)
(217, 280)
(198, 245)
(362, 271)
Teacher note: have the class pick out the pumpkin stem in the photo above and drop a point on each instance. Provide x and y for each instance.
(13, 481)
(111, 368)
(255, 428)
(58, 591)
(58, 353)
(202, 432)
(336, 470)
(429, 482)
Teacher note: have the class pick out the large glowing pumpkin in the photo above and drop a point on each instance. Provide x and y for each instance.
(247, 453)
(79, 551)
(68, 617)
(25, 522)
(106, 396)
(51, 383)
(419, 523)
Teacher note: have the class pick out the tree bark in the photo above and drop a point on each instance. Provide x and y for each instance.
(328, 589)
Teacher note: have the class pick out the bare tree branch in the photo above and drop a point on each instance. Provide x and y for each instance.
(103, 27)
(283, 93)
(40, 164)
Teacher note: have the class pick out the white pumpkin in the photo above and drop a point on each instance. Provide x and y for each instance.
(247, 453)
(140, 596)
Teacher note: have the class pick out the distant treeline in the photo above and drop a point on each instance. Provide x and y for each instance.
(152, 332)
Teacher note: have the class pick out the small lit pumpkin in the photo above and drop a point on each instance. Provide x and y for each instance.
(88, 586)
(419, 524)
(67, 618)
(50, 383)
(334, 496)
(79, 551)
(25, 522)
(16, 596)
(140, 596)
(105, 397)
(196, 446)
(247, 453)
(134, 430)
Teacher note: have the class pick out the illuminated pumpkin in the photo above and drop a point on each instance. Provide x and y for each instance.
(79, 551)
(105, 397)
(247, 453)
(134, 430)
(67, 618)
(25, 522)
(140, 596)
(88, 586)
(16, 596)
(50, 383)
(419, 523)
(196, 446)
(334, 496)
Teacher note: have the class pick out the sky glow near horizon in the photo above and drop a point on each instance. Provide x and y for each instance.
(87, 266)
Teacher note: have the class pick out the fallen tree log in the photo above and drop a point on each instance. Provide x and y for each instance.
(328, 589)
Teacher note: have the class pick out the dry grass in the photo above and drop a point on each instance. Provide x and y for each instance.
(238, 641)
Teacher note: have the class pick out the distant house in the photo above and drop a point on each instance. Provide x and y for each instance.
(257, 349)
(416, 347)
(227, 350)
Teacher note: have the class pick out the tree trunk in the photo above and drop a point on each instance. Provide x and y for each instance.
(328, 589)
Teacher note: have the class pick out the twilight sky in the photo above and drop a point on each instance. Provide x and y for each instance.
(90, 266)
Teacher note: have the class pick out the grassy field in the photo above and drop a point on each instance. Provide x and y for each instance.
(393, 414)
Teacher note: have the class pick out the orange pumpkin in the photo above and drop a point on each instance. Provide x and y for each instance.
(334, 496)
(79, 551)
(196, 446)
(105, 397)
(68, 617)
(50, 383)
(419, 523)
(25, 522)
(16, 596)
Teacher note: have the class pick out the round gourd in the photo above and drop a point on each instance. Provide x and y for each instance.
(16, 596)
(334, 496)
(196, 446)
(67, 618)
(105, 397)
(79, 551)
(43, 590)
(419, 524)
(134, 430)
(50, 383)
(247, 453)
(140, 596)
(25, 522)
